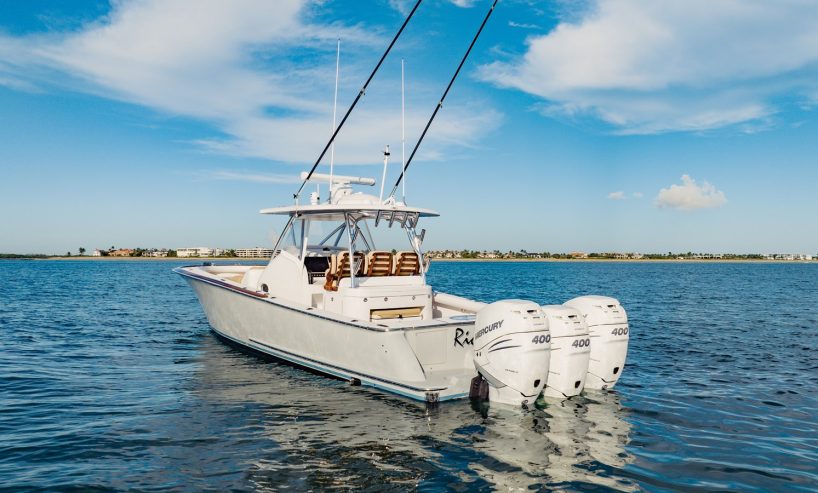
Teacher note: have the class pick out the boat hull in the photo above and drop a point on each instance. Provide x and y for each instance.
(381, 358)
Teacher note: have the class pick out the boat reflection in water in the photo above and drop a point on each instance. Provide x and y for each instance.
(590, 436)
(300, 430)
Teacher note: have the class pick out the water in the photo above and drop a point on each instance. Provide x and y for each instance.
(111, 380)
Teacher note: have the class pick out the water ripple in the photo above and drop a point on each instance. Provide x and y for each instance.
(111, 380)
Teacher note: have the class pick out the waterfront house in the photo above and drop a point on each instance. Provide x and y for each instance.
(257, 252)
(199, 252)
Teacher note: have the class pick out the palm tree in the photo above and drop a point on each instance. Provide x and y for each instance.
(82, 251)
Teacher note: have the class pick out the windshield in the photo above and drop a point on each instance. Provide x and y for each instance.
(291, 240)
(328, 237)
(332, 236)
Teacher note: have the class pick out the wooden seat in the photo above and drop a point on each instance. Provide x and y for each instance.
(379, 263)
(339, 268)
(407, 264)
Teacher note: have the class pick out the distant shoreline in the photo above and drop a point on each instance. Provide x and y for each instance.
(138, 259)
(625, 260)
(435, 260)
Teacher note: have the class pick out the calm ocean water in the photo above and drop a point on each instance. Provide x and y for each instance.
(111, 380)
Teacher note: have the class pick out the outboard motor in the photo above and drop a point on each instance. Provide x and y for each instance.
(608, 325)
(570, 351)
(511, 351)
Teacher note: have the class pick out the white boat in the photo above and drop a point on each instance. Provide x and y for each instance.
(332, 301)
(376, 321)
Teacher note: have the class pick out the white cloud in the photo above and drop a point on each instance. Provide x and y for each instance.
(523, 25)
(405, 6)
(621, 195)
(690, 195)
(363, 137)
(646, 67)
(13, 56)
(265, 178)
(231, 64)
(402, 6)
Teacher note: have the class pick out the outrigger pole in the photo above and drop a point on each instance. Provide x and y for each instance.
(357, 98)
(440, 103)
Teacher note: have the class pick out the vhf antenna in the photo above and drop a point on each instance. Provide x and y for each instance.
(402, 128)
(334, 109)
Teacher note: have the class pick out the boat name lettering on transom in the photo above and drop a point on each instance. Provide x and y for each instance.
(465, 338)
(489, 328)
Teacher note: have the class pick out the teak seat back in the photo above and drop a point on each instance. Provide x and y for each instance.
(407, 264)
(340, 268)
(379, 263)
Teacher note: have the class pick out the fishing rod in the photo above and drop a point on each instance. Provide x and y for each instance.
(357, 98)
(440, 103)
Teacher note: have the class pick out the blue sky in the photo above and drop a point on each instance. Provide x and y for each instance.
(610, 125)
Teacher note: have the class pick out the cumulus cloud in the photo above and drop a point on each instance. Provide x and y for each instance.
(648, 67)
(637, 195)
(690, 195)
(237, 65)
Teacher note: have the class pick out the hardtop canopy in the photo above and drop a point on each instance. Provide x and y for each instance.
(333, 212)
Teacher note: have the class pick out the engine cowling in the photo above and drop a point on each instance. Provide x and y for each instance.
(512, 350)
(608, 326)
(570, 351)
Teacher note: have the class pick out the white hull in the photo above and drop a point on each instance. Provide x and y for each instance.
(422, 362)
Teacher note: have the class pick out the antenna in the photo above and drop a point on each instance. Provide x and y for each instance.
(440, 103)
(402, 128)
(334, 110)
(386, 155)
(357, 98)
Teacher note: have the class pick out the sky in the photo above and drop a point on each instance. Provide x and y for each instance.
(609, 125)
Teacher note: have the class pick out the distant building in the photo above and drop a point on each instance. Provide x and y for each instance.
(788, 256)
(708, 256)
(199, 252)
(122, 252)
(159, 253)
(97, 253)
(257, 252)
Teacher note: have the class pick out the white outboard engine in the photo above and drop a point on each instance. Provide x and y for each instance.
(608, 325)
(570, 351)
(511, 352)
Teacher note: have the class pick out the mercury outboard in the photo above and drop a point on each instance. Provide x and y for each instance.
(570, 350)
(608, 327)
(512, 348)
